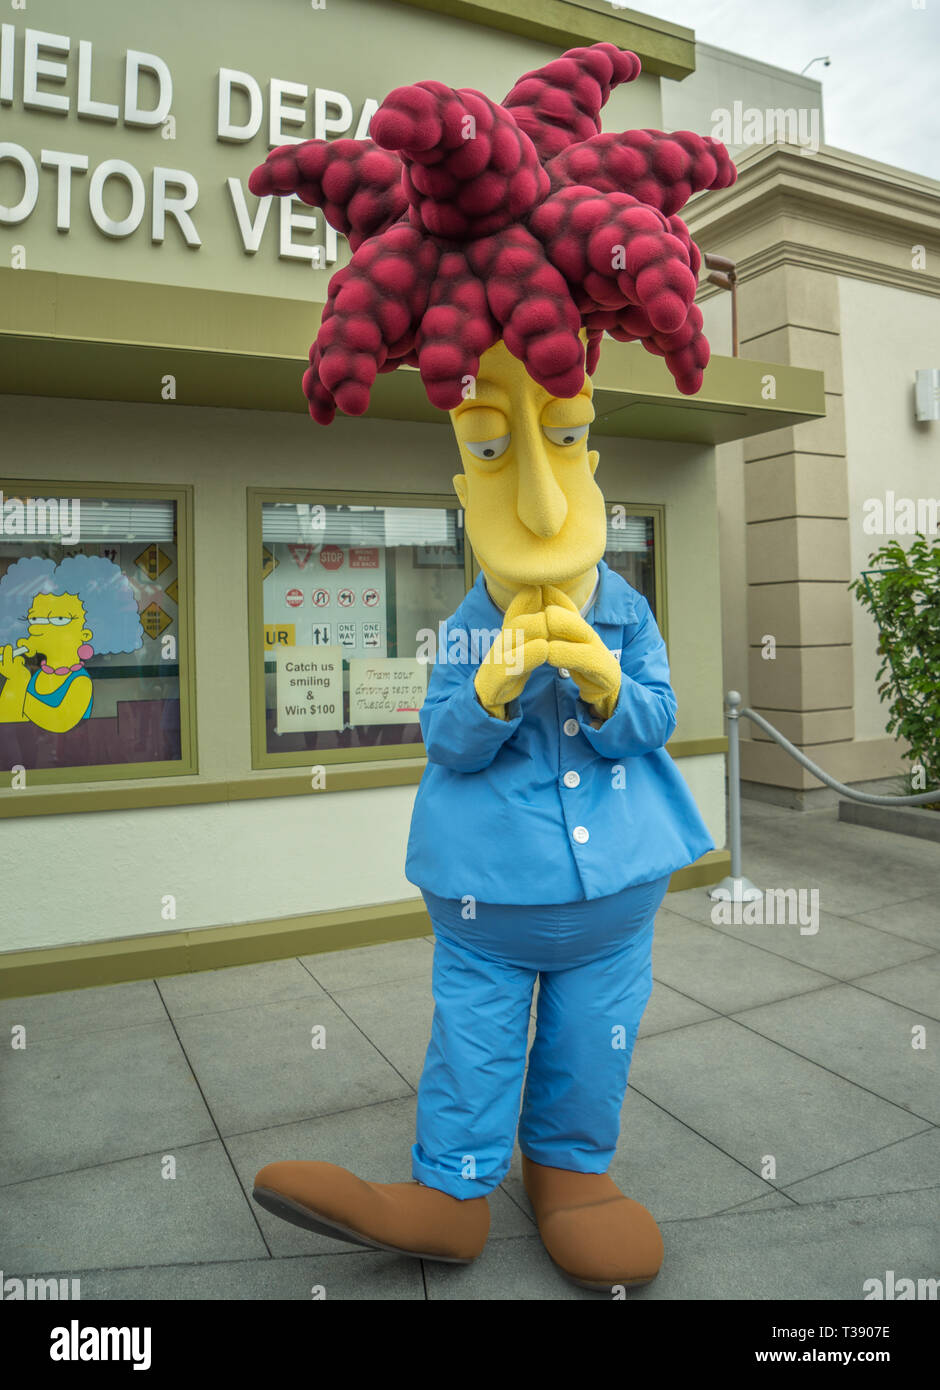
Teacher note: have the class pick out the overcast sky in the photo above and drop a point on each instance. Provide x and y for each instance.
(881, 94)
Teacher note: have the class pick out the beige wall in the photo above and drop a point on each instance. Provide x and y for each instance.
(360, 48)
(259, 859)
(827, 279)
(887, 334)
(732, 524)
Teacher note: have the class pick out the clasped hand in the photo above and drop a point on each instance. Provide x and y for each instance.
(542, 625)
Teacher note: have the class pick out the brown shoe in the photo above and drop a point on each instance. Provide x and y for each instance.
(595, 1235)
(405, 1218)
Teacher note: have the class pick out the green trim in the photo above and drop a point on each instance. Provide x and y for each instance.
(85, 966)
(711, 868)
(210, 948)
(339, 778)
(355, 777)
(698, 747)
(187, 764)
(664, 48)
(80, 337)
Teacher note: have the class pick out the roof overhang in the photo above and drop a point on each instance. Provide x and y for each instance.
(96, 339)
(663, 47)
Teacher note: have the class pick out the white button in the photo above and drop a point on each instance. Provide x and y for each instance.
(564, 672)
(570, 727)
(571, 779)
(581, 834)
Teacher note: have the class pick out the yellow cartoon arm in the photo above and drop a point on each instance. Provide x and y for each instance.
(16, 678)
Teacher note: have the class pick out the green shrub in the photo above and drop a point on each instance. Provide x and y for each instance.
(903, 595)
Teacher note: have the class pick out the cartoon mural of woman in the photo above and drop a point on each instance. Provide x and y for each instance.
(63, 606)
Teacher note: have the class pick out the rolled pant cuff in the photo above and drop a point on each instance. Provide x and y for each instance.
(452, 1183)
(567, 1159)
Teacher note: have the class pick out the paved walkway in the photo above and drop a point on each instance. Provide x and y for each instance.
(760, 1043)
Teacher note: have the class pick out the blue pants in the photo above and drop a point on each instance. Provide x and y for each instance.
(593, 960)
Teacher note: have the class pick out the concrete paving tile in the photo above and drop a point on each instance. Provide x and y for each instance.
(823, 1251)
(753, 810)
(693, 903)
(128, 1213)
(916, 919)
(666, 1166)
(856, 870)
(357, 1275)
(257, 1066)
(669, 1009)
(842, 947)
(396, 1018)
(853, 877)
(860, 1037)
(915, 985)
(74, 1012)
(752, 1098)
(236, 987)
(720, 972)
(913, 1163)
(758, 1255)
(96, 1098)
(374, 1142)
(771, 1201)
(516, 1271)
(371, 965)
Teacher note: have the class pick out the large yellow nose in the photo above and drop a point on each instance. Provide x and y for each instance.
(540, 502)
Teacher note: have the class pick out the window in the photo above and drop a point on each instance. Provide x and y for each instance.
(635, 550)
(344, 626)
(93, 619)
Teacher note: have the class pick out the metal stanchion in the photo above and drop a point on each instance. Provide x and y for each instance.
(736, 888)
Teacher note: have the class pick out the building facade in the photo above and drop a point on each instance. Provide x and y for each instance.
(263, 594)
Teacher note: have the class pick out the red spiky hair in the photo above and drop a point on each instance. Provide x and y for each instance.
(470, 222)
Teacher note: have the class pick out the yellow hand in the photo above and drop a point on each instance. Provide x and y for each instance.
(12, 666)
(520, 647)
(574, 645)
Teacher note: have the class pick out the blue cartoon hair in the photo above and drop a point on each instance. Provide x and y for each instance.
(100, 585)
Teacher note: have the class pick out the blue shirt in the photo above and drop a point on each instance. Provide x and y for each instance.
(550, 805)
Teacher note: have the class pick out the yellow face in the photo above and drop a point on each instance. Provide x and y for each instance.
(56, 628)
(533, 512)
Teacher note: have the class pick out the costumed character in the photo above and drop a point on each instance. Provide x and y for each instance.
(493, 247)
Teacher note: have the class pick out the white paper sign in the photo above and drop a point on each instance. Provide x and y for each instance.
(309, 689)
(386, 690)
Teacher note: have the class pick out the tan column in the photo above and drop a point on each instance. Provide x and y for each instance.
(798, 553)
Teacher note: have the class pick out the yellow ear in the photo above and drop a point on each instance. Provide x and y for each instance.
(460, 487)
(594, 459)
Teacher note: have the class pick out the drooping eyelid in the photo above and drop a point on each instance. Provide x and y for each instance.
(575, 412)
(479, 422)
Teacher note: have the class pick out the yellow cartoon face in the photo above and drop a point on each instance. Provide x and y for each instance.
(56, 628)
(534, 513)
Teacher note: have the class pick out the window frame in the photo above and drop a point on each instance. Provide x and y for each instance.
(256, 497)
(187, 765)
(656, 510)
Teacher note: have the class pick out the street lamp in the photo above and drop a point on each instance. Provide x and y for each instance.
(725, 276)
(825, 62)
